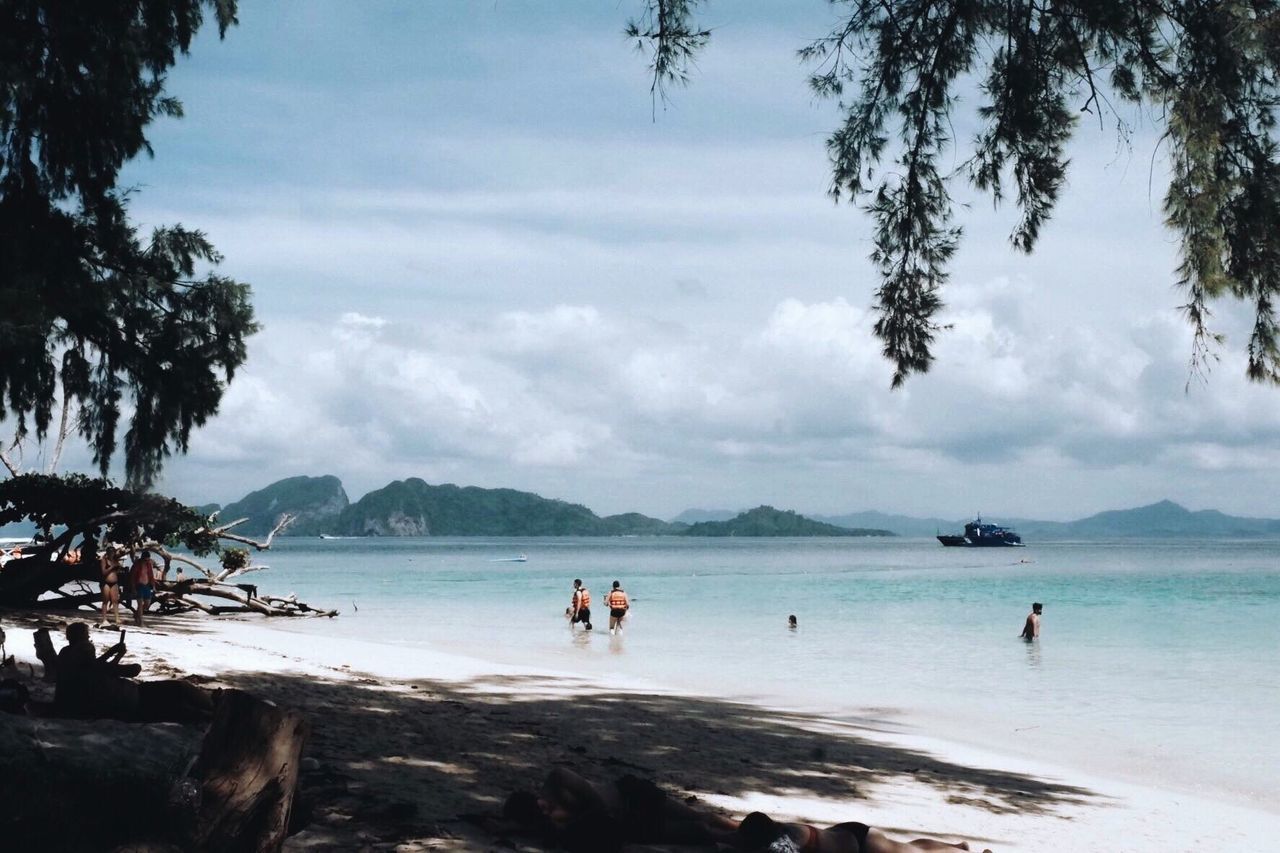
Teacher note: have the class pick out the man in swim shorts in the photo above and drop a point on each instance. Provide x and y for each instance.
(143, 577)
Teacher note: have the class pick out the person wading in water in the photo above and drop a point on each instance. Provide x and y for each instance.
(619, 604)
(580, 605)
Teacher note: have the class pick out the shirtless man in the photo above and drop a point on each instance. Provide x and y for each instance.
(760, 832)
(143, 578)
(1031, 631)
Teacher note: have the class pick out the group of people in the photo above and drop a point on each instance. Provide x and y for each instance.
(579, 609)
(142, 578)
(572, 813)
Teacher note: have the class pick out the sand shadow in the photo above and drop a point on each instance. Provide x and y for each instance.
(377, 742)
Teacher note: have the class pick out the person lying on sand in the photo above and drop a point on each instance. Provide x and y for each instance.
(759, 832)
(576, 815)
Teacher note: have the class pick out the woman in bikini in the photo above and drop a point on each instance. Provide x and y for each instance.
(759, 832)
(109, 565)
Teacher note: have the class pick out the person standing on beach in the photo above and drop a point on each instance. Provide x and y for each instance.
(143, 578)
(1031, 631)
(109, 566)
(619, 604)
(580, 605)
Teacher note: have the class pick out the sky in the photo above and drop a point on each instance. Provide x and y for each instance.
(482, 255)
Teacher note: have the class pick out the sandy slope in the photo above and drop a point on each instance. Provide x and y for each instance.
(416, 750)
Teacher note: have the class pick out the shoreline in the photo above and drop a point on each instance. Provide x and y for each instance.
(1035, 740)
(437, 736)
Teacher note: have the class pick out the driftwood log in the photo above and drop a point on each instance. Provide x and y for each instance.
(248, 772)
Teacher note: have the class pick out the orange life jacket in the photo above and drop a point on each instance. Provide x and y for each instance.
(617, 600)
(582, 597)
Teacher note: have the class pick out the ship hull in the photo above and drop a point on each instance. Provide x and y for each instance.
(979, 535)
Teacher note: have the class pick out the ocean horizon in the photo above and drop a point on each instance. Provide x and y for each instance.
(1156, 660)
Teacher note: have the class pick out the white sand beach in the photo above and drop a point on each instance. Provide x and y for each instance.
(416, 750)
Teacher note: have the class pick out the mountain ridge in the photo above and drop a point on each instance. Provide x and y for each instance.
(412, 507)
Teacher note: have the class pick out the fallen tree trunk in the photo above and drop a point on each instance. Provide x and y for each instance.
(248, 771)
(99, 523)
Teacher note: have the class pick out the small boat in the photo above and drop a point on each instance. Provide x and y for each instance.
(980, 535)
(519, 558)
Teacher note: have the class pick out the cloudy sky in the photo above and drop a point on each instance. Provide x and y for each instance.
(480, 257)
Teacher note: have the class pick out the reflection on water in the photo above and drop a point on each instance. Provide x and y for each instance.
(1033, 652)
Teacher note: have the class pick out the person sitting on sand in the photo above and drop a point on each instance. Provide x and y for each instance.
(95, 686)
(89, 685)
(759, 832)
(576, 815)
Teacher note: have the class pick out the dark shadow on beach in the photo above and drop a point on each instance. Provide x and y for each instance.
(376, 742)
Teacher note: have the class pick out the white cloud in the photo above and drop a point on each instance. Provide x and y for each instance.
(548, 289)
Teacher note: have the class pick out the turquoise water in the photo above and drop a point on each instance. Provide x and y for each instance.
(1158, 660)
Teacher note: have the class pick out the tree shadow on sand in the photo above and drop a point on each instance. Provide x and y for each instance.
(424, 759)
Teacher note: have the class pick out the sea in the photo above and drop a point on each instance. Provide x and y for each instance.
(1158, 661)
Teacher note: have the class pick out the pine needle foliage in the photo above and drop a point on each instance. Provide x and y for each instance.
(1205, 69)
(119, 322)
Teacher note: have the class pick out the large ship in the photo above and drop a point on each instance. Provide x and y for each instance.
(982, 535)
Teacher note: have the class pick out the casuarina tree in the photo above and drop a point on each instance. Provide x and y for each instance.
(127, 326)
(1205, 71)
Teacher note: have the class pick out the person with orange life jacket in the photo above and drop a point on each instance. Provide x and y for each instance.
(619, 604)
(580, 605)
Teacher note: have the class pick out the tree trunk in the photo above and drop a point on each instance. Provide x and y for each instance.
(248, 767)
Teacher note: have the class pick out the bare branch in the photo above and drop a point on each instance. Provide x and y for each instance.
(285, 520)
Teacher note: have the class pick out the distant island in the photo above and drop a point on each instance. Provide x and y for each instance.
(413, 507)
(767, 521)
